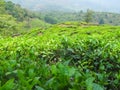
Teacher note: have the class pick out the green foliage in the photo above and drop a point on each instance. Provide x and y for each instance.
(50, 19)
(94, 17)
(15, 10)
(2, 6)
(18, 12)
(102, 21)
(8, 25)
(88, 16)
(8, 85)
(15, 20)
(68, 56)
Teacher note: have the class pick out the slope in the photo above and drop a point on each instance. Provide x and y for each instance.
(68, 56)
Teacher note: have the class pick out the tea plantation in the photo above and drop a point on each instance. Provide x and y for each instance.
(67, 56)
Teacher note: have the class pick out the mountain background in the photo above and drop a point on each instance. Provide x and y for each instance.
(70, 5)
(55, 12)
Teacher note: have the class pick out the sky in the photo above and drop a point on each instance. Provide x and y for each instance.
(97, 5)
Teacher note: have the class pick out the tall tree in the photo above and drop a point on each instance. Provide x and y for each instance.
(50, 19)
(101, 21)
(88, 15)
(2, 6)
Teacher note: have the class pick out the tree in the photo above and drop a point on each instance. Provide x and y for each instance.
(88, 16)
(8, 25)
(2, 6)
(50, 19)
(101, 21)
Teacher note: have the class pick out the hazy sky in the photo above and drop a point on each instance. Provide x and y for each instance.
(98, 5)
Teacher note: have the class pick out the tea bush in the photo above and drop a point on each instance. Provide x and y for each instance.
(61, 62)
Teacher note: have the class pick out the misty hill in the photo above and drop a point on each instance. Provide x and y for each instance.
(96, 5)
(54, 17)
(15, 20)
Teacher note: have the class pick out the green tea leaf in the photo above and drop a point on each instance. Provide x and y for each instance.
(8, 85)
(97, 87)
(89, 83)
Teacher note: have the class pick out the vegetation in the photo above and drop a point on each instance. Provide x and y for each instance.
(64, 56)
(15, 20)
(54, 17)
(88, 16)
(50, 19)
(74, 57)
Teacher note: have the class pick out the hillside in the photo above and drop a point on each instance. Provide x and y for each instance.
(97, 17)
(67, 56)
(14, 20)
(57, 16)
(58, 50)
(76, 29)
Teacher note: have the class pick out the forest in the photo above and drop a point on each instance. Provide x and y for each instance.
(58, 50)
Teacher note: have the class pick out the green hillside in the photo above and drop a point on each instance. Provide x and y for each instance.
(67, 56)
(36, 55)
(15, 20)
(97, 17)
